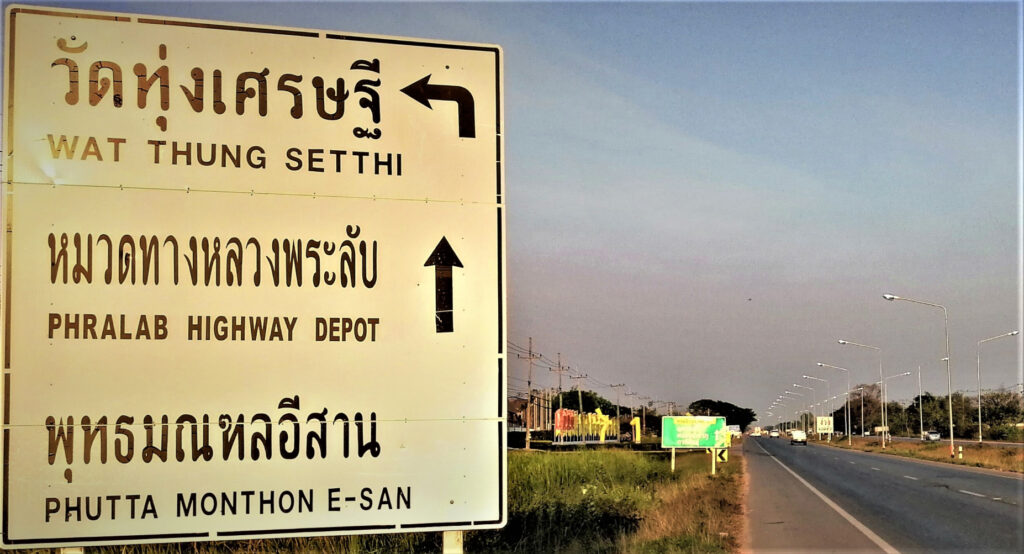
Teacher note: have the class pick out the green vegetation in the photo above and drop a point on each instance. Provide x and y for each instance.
(733, 414)
(576, 501)
(616, 501)
(1001, 411)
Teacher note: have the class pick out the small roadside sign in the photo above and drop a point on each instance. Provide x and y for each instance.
(693, 432)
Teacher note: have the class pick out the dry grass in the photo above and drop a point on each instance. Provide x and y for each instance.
(701, 513)
(987, 455)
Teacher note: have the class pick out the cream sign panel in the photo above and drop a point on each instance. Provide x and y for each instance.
(253, 282)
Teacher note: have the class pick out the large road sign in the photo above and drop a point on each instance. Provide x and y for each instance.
(253, 282)
(693, 432)
(824, 424)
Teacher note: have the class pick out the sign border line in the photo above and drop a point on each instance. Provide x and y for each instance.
(5, 538)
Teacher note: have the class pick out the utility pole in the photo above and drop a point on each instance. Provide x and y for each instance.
(632, 410)
(643, 408)
(530, 357)
(559, 371)
(920, 402)
(579, 392)
(618, 419)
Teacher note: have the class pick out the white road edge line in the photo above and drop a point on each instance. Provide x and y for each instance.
(879, 541)
(875, 469)
(911, 478)
(973, 493)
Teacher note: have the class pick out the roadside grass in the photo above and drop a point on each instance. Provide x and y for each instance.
(987, 455)
(702, 514)
(591, 501)
(613, 501)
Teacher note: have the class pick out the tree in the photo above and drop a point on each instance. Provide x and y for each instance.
(872, 415)
(734, 415)
(570, 400)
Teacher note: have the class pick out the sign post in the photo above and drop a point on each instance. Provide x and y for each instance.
(217, 319)
(707, 432)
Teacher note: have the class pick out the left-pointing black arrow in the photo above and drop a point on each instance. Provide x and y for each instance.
(423, 92)
(443, 258)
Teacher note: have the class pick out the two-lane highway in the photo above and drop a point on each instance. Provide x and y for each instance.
(894, 503)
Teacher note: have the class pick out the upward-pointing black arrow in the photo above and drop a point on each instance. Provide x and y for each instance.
(443, 258)
(423, 92)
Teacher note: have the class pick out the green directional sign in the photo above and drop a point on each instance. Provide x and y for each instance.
(693, 432)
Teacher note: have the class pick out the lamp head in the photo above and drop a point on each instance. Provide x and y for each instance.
(890, 297)
(821, 364)
(1012, 333)
(841, 341)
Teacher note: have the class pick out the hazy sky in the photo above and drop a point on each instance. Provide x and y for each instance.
(703, 197)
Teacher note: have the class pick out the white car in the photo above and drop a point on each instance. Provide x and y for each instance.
(931, 436)
(798, 436)
(774, 434)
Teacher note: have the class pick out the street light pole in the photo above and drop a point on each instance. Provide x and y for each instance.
(1010, 334)
(828, 391)
(798, 394)
(884, 391)
(920, 402)
(849, 441)
(949, 375)
(882, 414)
(861, 389)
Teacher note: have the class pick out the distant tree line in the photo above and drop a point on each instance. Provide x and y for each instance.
(734, 415)
(1001, 411)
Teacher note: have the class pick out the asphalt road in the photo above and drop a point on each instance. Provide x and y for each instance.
(876, 503)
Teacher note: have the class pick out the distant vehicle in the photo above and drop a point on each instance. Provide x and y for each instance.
(755, 433)
(798, 436)
(931, 436)
(774, 434)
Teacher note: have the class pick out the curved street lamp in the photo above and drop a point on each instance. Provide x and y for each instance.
(884, 387)
(1010, 334)
(843, 369)
(879, 350)
(861, 389)
(828, 386)
(949, 375)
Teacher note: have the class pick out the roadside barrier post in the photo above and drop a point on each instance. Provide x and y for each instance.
(673, 460)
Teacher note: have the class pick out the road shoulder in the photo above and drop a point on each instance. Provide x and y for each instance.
(784, 515)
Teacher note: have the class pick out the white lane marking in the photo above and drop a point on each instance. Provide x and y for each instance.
(998, 498)
(879, 541)
(853, 463)
(972, 493)
(911, 478)
(875, 469)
